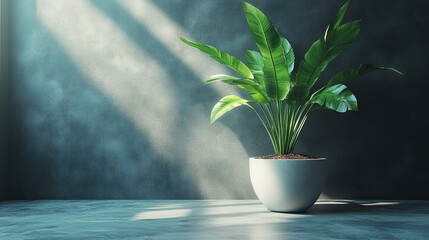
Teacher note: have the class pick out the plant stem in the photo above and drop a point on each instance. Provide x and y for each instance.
(283, 123)
(265, 126)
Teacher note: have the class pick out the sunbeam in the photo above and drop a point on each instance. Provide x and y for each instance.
(168, 32)
(138, 85)
(115, 64)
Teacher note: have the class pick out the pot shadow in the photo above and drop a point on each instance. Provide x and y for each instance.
(350, 206)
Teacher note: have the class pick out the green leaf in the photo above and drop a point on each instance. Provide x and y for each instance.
(276, 77)
(222, 78)
(225, 105)
(338, 18)
(222, 57)
(342, 36)
(344, 76)
(320, 54)
(289, 54)
(308, 72)
(296, 92)
(337, 98)
(256, 64)
(293, 78)
(255, 90)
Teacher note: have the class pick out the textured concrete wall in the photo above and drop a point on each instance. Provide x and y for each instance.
(108, 103)
(3, 97)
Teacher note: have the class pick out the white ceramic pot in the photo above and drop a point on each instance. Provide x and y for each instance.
(288, 185)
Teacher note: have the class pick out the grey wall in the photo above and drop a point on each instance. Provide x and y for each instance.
(3, 97)
(107, 103)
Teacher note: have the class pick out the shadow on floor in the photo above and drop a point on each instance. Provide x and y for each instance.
(349, 206)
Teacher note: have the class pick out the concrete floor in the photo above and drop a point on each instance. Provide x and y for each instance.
(212, 219)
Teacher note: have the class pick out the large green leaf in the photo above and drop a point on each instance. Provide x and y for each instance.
(289, 54)
(344, 76)
(222, 57)
(338, 18)
(309, 70)
(342, 36)
(256, 64)
(337, 98)
(267, 38)
(225, 105)
(255, 90)
(293, 78)
(320, 54)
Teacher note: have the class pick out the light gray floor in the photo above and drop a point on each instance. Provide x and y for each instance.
(224, 219)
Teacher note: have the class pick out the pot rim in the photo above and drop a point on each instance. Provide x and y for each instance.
(288, 159)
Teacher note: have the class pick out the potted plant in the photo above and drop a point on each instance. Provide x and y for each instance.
(280, 97)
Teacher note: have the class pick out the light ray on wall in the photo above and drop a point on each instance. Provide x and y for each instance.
(142, 89)
(116, 65)
(168, 32)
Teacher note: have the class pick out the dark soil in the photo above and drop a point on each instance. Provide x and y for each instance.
(288, 156)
